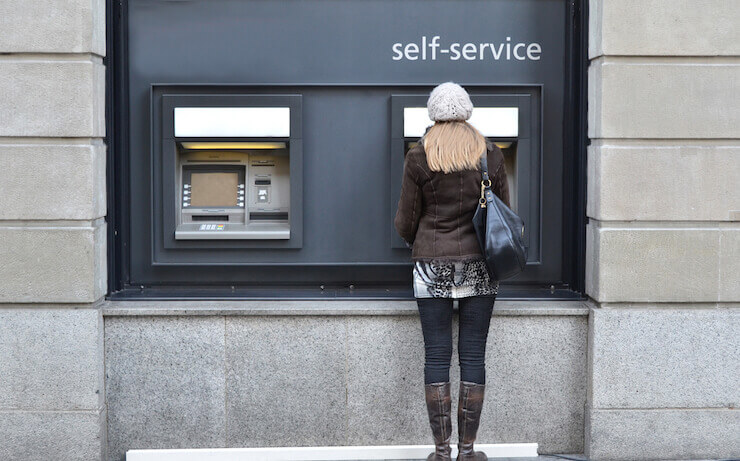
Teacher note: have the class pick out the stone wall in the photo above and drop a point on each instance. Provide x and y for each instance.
(663, 238)
(330, 373)
(52, 229)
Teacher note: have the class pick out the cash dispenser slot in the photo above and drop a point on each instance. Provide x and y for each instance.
(238, 188)
(216, 218)
(268, 216)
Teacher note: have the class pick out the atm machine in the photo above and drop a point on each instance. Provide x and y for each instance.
(233, 191)
(232, 173)
(507, 120)
(230, 189)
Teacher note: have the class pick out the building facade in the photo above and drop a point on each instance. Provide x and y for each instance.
(635, 358)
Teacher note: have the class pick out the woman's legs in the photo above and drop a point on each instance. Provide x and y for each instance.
(436, 325)
(475, 318)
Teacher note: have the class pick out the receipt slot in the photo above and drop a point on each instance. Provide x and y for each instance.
(507, 120)
(231, 168)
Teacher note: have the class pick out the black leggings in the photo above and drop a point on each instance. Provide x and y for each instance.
(436, 325)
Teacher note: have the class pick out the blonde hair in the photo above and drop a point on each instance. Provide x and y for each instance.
(453, 146)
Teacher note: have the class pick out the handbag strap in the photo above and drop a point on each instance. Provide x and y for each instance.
(485, 182)
(484, 165)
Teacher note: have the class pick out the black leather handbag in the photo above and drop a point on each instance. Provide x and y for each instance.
(500, 232)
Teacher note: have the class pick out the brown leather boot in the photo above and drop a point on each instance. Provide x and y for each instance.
(468, 418)
(439, 408)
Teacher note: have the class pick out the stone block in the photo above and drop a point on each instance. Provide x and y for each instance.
(635, 98)
(664, 28)
(51, 435)
(53, 98)
(665, 358)
(663, 183)
(285, 381)
(52, 181)
(536, 382)
(50, 26)
(385, 381)
(729, 265)
(50, 359)
(52, 264)
(648, 264)
(165, 383)
(667, 434)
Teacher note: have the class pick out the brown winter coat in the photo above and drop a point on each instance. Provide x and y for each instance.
(435, 210)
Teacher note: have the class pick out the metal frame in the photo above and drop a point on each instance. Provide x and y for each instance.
(117, 174)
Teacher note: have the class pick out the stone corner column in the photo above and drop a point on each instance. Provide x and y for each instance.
(663, 236)
(52, 229)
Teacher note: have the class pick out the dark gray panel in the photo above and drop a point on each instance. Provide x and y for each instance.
(338, 41)
(338, 56)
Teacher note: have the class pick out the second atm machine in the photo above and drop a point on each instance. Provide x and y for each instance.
(233, 189)
(227, 163)
(504, 119)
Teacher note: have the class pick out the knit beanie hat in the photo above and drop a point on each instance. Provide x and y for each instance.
(449, 101)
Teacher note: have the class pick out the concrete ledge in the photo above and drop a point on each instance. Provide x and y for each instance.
(333, 307)
(664, 28)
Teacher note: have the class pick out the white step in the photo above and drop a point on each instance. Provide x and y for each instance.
(395, 452)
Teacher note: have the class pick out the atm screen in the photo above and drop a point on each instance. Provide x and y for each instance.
(214, 189)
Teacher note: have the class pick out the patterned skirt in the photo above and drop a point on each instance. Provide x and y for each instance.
(453, 279)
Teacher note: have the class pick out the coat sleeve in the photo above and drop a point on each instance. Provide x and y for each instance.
(409, 204)
(500, 183)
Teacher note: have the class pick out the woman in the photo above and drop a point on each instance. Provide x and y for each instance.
(439, 195)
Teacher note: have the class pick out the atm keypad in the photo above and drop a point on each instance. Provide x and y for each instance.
(240, 196)
(186, 195)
